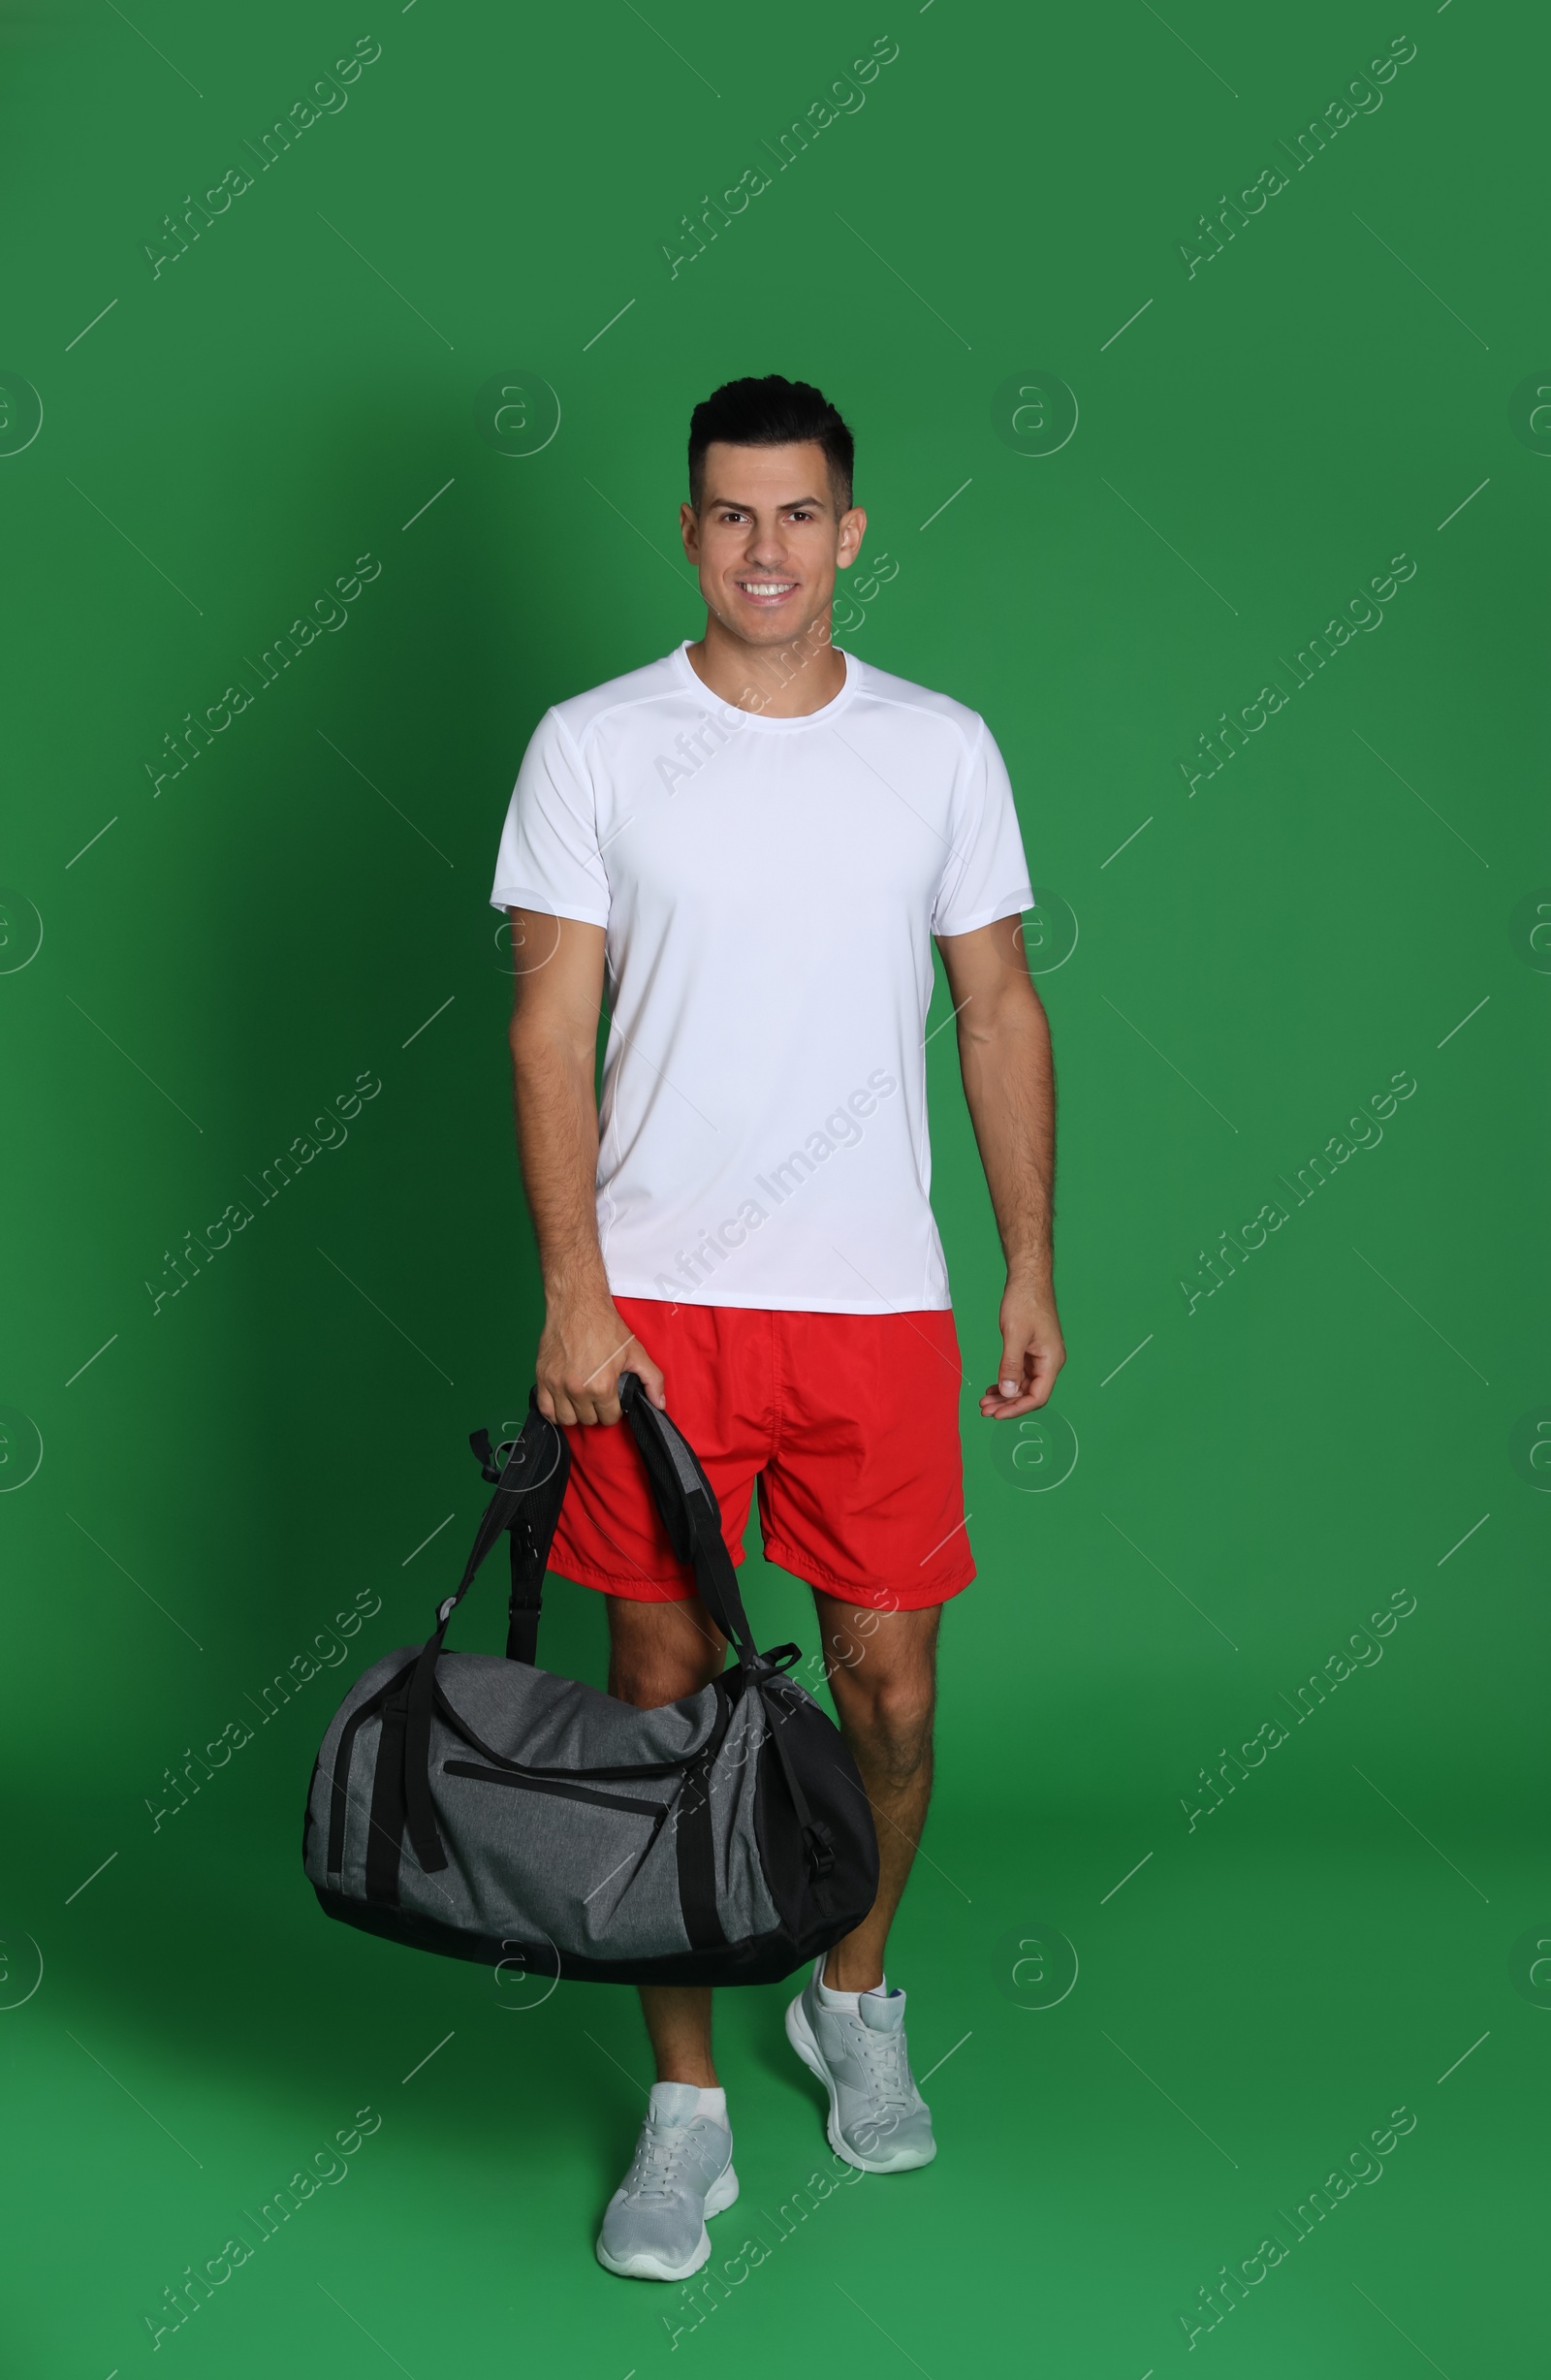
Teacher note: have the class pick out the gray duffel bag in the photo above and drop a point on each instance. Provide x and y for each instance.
(485, 1809)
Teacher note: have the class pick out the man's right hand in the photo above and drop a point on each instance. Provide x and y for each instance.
(581, 1353)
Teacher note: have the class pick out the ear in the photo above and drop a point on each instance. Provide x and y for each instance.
(853, 528)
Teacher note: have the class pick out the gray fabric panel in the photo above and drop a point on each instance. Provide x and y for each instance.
(554, 1721)
(524, 1864)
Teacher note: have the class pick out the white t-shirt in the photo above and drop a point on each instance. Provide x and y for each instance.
(770, 887)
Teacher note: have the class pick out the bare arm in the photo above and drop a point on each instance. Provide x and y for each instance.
(585, 1345)
(1009, 1081)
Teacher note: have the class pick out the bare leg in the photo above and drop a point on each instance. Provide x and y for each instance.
(657, 1653)
(882, 1673)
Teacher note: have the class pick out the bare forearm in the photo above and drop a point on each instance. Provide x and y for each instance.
(557, 1142)
(585, 1344)
(1009, 1084)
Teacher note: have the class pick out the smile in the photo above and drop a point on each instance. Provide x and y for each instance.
(763, 589)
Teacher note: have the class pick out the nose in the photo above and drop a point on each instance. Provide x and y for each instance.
(766, 549)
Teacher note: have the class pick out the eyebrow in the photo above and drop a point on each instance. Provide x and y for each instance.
(739, 503)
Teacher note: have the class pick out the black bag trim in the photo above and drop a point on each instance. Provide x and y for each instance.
(385, 1832)
(763, 1959)
(695, 1837)
(818, 1840)
(339, 1783)
(695, 1841)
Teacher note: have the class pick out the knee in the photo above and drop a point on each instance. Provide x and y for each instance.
(658, 1653)
(890, 1718)
(651, 1681)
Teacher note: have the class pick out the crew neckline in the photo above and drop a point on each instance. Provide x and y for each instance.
(730, 711)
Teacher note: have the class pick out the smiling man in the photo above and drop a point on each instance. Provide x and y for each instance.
(752, 843)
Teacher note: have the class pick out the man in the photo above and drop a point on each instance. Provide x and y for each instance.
(752, 842)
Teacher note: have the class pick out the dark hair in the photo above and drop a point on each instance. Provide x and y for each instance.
(770, 412)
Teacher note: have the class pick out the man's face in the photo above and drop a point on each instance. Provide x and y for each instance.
(768, 540)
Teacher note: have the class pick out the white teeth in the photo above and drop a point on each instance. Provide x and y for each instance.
(774, 587)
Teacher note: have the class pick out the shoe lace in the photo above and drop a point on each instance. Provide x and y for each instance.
(658, 2158)
(887, 2068)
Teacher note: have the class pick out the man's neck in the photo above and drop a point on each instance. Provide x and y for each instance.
(778, 681)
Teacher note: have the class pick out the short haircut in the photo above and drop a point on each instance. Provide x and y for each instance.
(770, 412)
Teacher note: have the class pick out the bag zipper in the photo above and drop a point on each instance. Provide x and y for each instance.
(516, 1774)
(637, 1768)
(656, 1811)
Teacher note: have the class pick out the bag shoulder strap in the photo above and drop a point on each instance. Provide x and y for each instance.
(529, 1534)
(692, 1518)
(690, 1514)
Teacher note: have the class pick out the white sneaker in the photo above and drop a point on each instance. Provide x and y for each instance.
(877, 2119)
(654, 2225)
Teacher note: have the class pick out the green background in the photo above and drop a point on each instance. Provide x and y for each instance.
(221, 959)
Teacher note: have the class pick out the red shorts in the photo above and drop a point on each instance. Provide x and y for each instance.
(848, 1422)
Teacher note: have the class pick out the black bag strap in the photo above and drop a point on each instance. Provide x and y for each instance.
(692, 1518)
(687, 1503)
(528, 1542)
(530, 1491)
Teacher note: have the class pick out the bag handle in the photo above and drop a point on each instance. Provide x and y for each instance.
(692, 1518)
(687, 1503)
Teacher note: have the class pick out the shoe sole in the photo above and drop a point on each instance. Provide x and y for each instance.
(643, 2267)
(799, 2033)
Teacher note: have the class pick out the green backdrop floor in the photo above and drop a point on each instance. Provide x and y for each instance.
(1099, 2161)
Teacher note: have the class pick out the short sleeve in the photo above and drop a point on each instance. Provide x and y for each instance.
(548, 859)
(986, 875)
